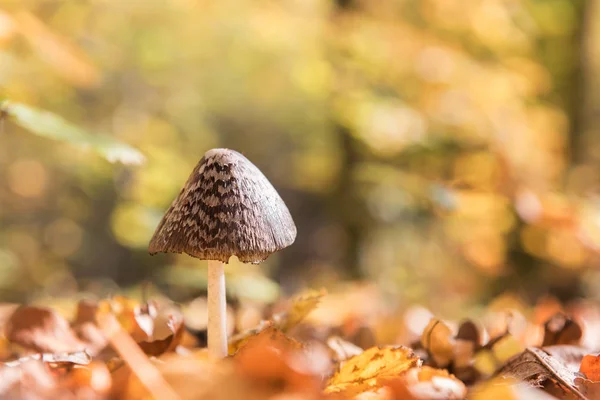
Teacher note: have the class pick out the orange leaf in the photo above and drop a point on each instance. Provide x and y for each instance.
(590, 367)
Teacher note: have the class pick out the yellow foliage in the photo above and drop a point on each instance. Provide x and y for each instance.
(370, 369)
(301, 306)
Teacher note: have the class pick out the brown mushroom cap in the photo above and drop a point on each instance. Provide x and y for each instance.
(227, 207)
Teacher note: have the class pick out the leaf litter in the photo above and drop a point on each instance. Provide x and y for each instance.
(121, 348)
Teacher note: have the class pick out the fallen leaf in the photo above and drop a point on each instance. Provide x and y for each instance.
(571, 356)
(536, 367)
(368, 370)
(41, 330)
(79, 358)
(438, 340)
(272, 336)
(470, 332)
(301, 306)
(590, 367)
(124, 310)
(165, 331)
(277, 363)
(561, 330)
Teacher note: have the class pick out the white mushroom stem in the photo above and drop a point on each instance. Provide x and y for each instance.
(217, 310)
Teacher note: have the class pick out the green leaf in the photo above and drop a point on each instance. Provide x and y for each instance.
(52, 126)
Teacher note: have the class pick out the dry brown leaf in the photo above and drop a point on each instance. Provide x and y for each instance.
(41, 330)
(471, 332)
(570, 356)
(164, 329)
(536, 367)
(438, 340)
(561, 330)
(370, 369)
(79, 358)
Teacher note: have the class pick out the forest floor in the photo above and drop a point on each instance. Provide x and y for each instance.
(342, 345)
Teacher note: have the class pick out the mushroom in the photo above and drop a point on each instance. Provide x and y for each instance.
(226, 208)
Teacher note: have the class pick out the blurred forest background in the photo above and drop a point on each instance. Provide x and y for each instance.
(448, 150)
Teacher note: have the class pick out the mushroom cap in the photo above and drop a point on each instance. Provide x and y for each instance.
(227, 207)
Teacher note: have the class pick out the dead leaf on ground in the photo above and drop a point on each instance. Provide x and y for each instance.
(590, 367)
(76, 358)
(164, 329)
(561, 329)
(469, 331)
(301, 306)
(438, 340)
(269, 335)
(368, 370)
(537, 367)
(156, 328)
(277, 362)
(41, 330)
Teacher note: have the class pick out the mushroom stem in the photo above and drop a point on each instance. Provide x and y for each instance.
(217, 329)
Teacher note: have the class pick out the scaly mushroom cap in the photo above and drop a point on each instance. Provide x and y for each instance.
(227, 207)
